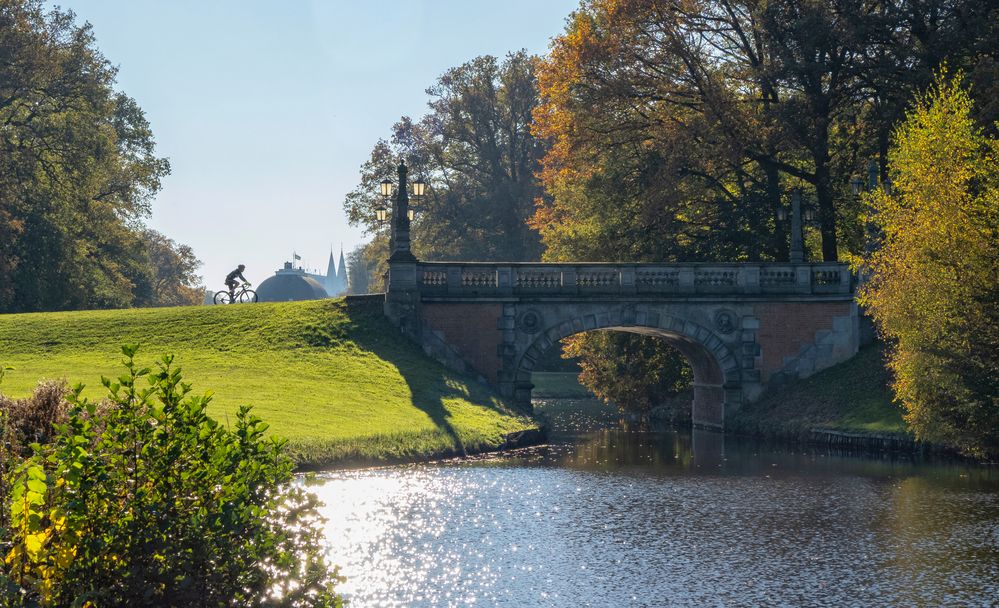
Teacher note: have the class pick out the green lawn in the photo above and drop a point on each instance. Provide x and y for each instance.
(332, 376)
(558, 385)
(852, 396)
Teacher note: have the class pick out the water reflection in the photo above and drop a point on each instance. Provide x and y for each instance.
(626, 519)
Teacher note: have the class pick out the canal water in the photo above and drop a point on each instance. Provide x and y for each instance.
(605, 517)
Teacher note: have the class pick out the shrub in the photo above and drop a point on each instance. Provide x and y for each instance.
(27, 421)
(160, 505)
(31, 420)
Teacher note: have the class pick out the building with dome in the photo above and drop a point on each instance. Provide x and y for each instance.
(292, 284)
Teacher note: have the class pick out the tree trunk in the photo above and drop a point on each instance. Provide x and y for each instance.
(780, 246)
(827, 209)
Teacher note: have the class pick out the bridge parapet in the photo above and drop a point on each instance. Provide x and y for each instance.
(479, 279)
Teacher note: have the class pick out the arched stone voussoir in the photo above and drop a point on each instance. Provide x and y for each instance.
(715, 365)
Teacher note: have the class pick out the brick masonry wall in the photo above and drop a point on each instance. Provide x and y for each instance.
(472, 329)
(788, 329)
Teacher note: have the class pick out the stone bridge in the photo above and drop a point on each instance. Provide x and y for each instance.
(742, 327)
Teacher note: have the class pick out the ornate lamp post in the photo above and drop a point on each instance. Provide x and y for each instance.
(401, 299)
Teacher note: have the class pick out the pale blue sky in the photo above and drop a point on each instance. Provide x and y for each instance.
(266, 109)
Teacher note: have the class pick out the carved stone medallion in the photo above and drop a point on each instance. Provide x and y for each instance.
(726, 321)
(530, 322)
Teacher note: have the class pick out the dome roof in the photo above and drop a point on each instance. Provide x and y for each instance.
(286, 286)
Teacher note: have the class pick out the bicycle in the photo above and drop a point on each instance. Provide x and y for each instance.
(243, 295)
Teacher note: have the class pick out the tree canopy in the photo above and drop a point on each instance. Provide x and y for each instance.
(77, 170)
(677, 128)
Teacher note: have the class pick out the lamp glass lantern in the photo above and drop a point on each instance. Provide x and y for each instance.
(808, 214)
(386, 188)
(381, 213)
(419, 187)
(781, 213)
(411, 213)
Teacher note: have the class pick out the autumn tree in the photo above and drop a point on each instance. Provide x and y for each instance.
(642, 375)
(934, 281)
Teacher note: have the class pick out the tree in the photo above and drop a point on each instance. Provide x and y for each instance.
(934, 281)
(704, 111)
(175, 281)
(360, 270)
(634, 372)
(476, 150)
(77, 169)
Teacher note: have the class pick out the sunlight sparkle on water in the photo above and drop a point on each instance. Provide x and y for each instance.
(590, 525)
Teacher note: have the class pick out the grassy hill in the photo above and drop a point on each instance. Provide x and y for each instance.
(332, 376)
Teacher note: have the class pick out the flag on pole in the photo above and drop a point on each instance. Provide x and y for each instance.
(297, 257)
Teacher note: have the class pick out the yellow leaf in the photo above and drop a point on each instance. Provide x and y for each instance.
(33, 543)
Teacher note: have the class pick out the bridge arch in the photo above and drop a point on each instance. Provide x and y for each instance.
(717, 382)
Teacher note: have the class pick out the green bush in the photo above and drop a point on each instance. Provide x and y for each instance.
(149, 502)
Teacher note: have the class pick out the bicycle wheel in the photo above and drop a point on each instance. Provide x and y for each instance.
(222, 297)
(248, 296)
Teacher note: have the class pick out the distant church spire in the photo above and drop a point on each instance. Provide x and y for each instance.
(342, 272)
(331, 266)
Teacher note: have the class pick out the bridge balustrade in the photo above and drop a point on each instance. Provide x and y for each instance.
(475, 279)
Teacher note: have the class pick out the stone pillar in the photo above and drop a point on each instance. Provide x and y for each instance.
(402, 291)
(400, 247)
(708, 409)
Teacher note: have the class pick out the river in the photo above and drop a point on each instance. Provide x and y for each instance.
(604, 517)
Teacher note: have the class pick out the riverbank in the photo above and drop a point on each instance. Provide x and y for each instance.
(848, 405)
(331, 376)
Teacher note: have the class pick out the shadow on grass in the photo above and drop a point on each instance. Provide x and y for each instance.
(429, 382)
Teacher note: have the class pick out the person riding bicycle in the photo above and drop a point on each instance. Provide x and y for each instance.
(232, 283)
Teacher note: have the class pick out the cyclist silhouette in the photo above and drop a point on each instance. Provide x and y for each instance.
(231, 282)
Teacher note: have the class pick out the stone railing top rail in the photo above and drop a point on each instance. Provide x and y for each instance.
(521, 278)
